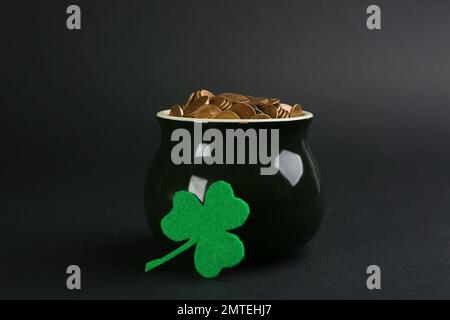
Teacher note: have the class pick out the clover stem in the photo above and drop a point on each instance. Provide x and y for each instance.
(157, 262)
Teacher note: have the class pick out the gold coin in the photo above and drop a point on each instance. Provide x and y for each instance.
(286, 107)
(259, 101)
(296, 111)
(243, 110)
(176, 111)
(203, 114)
(270, 110)
(235, 97)
(282, 113)
(206, 110)
(227, 115)
(192, 107)
(190, 99)
(222, 102)
(203, 93)
(214, 109)
(261, 116)
(198, 94)
(284, 110)
(274, 101)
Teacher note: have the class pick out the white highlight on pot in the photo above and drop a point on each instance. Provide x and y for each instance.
(197, 186)
(290, 166)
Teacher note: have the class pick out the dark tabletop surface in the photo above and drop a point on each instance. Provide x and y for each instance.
(78, 135)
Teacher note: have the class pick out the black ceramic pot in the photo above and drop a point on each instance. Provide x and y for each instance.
(285, 208)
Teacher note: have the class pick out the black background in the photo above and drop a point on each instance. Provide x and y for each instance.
(78, 134)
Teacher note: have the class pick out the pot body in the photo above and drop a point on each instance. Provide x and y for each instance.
(286, 208)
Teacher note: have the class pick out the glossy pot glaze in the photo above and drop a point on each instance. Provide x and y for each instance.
(286, 209)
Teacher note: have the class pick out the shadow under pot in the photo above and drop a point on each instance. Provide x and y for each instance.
(282, 186)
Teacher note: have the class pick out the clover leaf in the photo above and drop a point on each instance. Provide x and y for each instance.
(206, 226)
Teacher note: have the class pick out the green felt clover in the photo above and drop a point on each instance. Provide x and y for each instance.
(206, 225)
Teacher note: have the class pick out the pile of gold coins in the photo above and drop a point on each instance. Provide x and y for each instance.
(203, 104)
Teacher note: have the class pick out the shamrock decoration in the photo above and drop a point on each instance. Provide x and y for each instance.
(206, 226)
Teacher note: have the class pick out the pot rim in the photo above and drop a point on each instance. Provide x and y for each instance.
(164, 114)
